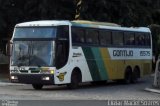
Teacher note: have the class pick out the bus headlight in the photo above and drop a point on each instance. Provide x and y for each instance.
(14, 77)
(46, 78)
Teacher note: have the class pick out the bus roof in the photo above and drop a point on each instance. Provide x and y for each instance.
(104, 25)
(82, 23)
(95, 23)
(43, 23)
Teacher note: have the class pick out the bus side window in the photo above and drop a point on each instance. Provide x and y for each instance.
(92, 36)
(62, 53)
(147, 39)
(129, 38)
(105, 37)
(88, 37)
(63, 32)
(62, 46)
(140, 39)
(77, 35)
(117, 38)
(58, 55)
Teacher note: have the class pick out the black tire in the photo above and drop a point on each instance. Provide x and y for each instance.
(37, 86)
(75, 80)
(135, 75)
(128, 76)
(99, 83)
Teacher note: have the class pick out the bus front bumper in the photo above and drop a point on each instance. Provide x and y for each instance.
(44, 79)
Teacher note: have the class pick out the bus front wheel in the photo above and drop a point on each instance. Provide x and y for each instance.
(37, 86)
(76, 78)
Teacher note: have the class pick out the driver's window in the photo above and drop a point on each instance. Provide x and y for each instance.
(62, 52)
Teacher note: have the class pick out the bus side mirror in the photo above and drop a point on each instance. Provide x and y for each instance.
(159, 67)
(9, 48)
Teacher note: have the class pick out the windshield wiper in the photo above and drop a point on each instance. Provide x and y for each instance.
(22, 60)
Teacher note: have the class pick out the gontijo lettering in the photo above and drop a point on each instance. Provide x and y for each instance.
(123, 53)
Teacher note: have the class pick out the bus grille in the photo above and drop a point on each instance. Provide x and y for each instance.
(29, 71)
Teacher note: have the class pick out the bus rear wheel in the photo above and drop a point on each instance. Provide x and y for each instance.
(135, 75)
(37, 86)
(76, 78)
(128, 75)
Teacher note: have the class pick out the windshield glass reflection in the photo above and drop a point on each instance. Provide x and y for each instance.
(38, 32)
(32, 53)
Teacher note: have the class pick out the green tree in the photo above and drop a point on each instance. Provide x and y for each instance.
(123, 12)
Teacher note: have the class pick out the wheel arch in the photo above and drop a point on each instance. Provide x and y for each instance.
(77, 70)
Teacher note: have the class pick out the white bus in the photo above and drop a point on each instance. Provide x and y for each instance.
(71, 52)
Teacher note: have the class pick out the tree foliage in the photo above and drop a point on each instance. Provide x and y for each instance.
(123, 12)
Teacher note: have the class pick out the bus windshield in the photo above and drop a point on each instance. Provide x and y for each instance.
(35, 32)
(32, 53)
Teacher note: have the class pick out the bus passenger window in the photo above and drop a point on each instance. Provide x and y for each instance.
(139, 39)
(77, 35)
(105, 37)
(92, 36)
(142, 40)
(129, 38)
(117, 38)
(147, 39)
(89, 40)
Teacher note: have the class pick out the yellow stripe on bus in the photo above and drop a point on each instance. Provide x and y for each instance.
(108, 63)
